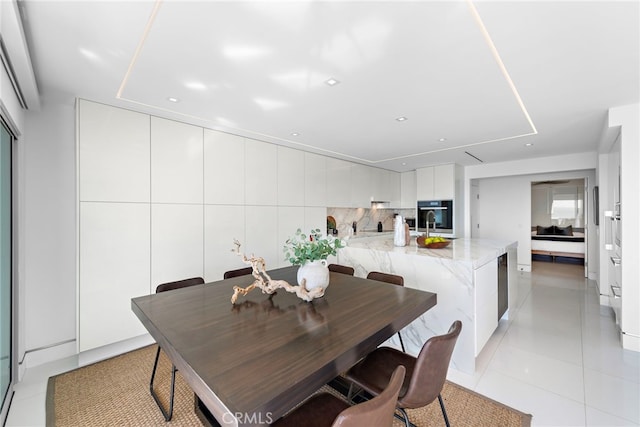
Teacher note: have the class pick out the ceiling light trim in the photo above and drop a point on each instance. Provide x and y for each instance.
(503, 68)
(136, 54)
(243, 132)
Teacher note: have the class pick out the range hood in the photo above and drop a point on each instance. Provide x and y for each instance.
(380, 204)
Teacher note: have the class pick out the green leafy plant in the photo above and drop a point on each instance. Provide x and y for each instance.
(302, 248)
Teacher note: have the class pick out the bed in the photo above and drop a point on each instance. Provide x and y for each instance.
(554, 243)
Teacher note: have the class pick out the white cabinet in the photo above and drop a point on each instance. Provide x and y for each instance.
(315, 218)
(408, 198)
(114, 154)
(394, 188)
(373, 184)
(485, 280)
(222, 224)
(223, 168)
(261, 173)
(436, 182)
(289, 220)
(176, 242)
(338, 183)
(380, 186)
(362, 186)
(315, 180)
(114, 267)
(291, 185)
(176, 162)
(261, 234)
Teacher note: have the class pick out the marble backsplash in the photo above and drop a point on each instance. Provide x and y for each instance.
(366, 219)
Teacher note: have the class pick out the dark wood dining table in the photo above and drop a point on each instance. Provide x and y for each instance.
(251, 362)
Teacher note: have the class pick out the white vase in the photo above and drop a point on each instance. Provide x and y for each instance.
(316, 274)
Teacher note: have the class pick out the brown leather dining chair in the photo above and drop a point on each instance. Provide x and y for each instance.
(169, 286)
(236, 273)
(325, 409)
(394, 279)
(426, 374)
(344, 269)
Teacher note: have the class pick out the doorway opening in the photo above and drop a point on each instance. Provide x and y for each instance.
(558, 221)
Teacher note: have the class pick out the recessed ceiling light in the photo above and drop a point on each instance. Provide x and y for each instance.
(332, 82)
(404, 163)
(294, 134)
(194, 85)
(172, 99)
(442, 139)
(242, 52)
(401, 119)
(528, 144)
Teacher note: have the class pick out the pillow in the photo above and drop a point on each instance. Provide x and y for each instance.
(566, 231)
(545, 230)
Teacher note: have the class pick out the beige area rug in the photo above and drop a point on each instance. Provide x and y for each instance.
(115, 392)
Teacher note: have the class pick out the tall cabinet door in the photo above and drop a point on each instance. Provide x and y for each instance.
(113, 154)
(261, 175)
(222, 225)
(114, 267)
(315, 180)
(176, 162)
(291, 188)
(114, 222)
(223, 168)
(176, 242)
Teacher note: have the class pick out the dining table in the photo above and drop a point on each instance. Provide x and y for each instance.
(251, 362)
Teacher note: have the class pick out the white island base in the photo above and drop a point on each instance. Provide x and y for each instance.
(464, 276)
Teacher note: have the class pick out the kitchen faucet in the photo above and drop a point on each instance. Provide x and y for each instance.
(434, 221)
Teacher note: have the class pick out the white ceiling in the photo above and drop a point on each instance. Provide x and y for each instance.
(488, 77)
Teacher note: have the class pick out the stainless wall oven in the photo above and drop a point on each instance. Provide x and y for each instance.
(437, 215)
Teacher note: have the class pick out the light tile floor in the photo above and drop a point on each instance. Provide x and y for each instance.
(557, 357)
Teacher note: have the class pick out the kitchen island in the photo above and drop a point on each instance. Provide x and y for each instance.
(465, 277)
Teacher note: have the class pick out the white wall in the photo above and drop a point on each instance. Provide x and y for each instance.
(49, 280)
(504, 208)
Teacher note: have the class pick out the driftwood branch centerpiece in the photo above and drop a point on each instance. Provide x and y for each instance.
(266, 283)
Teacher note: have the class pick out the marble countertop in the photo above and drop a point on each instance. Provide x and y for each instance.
(475, 251)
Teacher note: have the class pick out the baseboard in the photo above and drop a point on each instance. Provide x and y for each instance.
(105, 352)
(69, 348)
(630, 342)
(47, 354)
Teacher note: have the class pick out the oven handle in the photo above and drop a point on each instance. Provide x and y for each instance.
(434, 208)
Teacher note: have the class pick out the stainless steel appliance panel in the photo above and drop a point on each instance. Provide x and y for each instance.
(439, 212)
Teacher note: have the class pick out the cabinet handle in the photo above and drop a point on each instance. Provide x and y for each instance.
(616, 261)
(608, 231)
(616, 291)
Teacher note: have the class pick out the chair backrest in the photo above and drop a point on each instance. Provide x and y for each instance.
(239, 272)
(377, 412)
(344, 269)
(386, 277)
(169, 286)
(430, 370)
